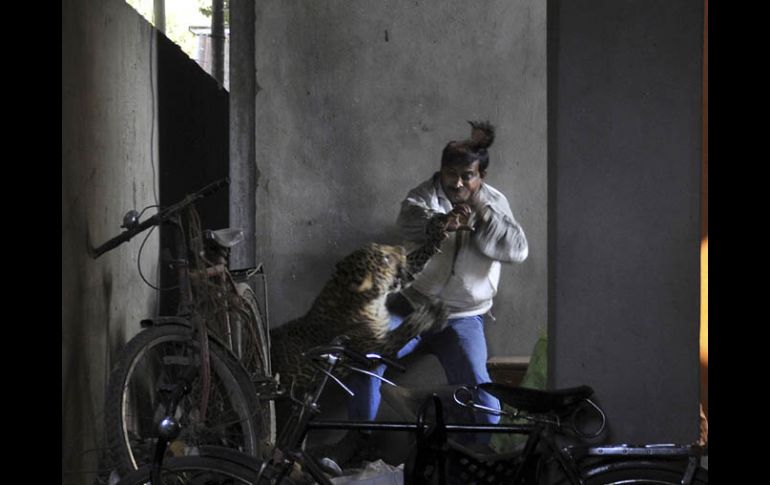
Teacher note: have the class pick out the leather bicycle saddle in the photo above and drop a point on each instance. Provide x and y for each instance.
(537, 401)
(225, 238)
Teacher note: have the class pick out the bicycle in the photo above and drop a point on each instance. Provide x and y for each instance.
(218, 465)
(435, 459)
(549, 454)
(218, 330)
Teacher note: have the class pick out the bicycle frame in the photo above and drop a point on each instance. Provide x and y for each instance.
(186, 304)
(577, 462)
(287, 448)
(302, 420)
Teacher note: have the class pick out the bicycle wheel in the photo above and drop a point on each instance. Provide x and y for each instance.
(638, 472)
(155, 357)
(194, 470)
(258, 338)
(252, 343)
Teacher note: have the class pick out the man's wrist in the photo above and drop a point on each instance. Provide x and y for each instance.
(435, 229)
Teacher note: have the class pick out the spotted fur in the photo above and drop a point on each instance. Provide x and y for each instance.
(352, 303)
(434, 234)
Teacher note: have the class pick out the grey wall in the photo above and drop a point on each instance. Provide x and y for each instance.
(356, 101)
(624, 130)
(109, 157)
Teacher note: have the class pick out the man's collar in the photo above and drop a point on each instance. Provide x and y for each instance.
(443, 200)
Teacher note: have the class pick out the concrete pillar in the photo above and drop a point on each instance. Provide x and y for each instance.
(624, 130)
(244, 174)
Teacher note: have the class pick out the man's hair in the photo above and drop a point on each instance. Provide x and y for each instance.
(474, 148)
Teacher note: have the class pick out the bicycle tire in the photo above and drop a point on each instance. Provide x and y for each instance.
(256, 337)
(236, 320)
(642, 472)
(230, 455)
(156, 356)
(194, 470)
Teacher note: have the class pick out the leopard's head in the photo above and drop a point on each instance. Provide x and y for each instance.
(373, 270)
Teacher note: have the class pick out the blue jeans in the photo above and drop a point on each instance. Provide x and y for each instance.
(460, 347)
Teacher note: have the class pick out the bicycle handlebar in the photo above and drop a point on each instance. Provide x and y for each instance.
(159, 217)
(338, 349)
(387, 361)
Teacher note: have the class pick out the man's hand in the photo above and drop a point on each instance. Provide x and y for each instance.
(458, 218)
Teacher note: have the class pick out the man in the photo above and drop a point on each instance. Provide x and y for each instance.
(480, 233)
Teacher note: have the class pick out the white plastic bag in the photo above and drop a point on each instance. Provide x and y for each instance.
(374, 473)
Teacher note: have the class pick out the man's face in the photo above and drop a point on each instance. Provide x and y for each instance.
(460, 182)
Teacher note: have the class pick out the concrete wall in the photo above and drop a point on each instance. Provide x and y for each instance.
(356, 101)
(243, 90)
(109, 158)
(624, 150)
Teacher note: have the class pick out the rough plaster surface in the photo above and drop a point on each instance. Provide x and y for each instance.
(244, 175)
(356, 100)
(107, 168)
(625, 104)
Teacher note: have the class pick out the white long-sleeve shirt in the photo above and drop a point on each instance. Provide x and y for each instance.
(465, 274)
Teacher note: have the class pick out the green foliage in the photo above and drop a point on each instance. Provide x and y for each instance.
(205, 9)
(534, 378)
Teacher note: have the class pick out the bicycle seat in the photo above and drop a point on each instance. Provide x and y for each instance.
(537, 401)
(226, 238)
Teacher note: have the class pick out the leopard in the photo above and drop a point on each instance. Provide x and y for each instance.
(354, 303)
